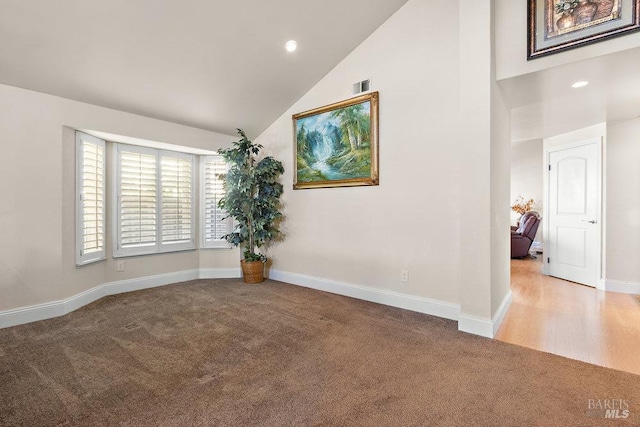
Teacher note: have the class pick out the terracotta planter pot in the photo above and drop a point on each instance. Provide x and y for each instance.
(252, 271)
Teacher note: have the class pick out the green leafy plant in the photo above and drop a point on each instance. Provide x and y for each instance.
(252, 196)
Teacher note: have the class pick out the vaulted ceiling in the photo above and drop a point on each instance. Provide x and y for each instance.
(210, 64)
(219, 65)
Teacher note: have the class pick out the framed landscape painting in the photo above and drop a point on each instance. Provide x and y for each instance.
(337, 145)
(558, 25)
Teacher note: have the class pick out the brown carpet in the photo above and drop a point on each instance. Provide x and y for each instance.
(216, 352)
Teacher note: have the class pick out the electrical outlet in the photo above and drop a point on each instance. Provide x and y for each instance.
(120, 265)
(404, 276)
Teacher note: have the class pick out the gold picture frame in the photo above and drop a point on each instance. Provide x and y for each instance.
(337, 145)
(558, 25)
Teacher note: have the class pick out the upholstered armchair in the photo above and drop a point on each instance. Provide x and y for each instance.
(523, 235)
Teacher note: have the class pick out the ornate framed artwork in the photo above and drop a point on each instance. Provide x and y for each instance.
(558, 25)
(337, 145)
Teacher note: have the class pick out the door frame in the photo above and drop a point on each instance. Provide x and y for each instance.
(599, 141)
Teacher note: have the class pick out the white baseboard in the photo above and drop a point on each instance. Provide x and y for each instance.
(466, 323)
(485, 327)
(130, 285)
(44, 311)
(33, 313)
(622, 287)
(475, 325)
(220, 273)
(381, 296)
(501, 312)
(80, 300)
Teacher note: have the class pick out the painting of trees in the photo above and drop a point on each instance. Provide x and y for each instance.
(334, 144)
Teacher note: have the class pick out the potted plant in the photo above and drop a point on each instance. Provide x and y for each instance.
(252, 199)
(522, 206)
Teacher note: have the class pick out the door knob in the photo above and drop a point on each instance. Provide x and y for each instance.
(593, 221)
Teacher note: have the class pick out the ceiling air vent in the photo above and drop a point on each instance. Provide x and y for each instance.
(362, 86)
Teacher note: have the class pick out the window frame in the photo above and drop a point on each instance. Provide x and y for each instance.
(158, 247)
(100, 255)
(213, 243)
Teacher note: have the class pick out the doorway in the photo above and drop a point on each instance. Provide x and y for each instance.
(573, 232)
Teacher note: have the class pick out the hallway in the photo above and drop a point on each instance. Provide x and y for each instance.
(572, 320)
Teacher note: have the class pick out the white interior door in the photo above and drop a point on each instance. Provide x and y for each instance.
(574, 208)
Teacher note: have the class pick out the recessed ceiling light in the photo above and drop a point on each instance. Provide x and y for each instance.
(579, 84)
(291, 45)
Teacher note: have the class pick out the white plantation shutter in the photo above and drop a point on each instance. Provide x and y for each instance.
(176, 176)
(90, 200)
(138, 199)
(154, 201)
(213, 222)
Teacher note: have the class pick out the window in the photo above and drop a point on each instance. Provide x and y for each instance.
(213, 224)
(176, 176)
(90, 199)
(154, 209)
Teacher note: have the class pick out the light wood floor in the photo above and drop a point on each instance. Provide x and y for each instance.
(572, 320)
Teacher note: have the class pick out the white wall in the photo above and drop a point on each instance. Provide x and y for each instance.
(511, 43)
(425, 215)
(366, 235)
(37, 263)
(623, 201)
(484, 177)
(500, 183)
(527, 172)
(485, 182)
